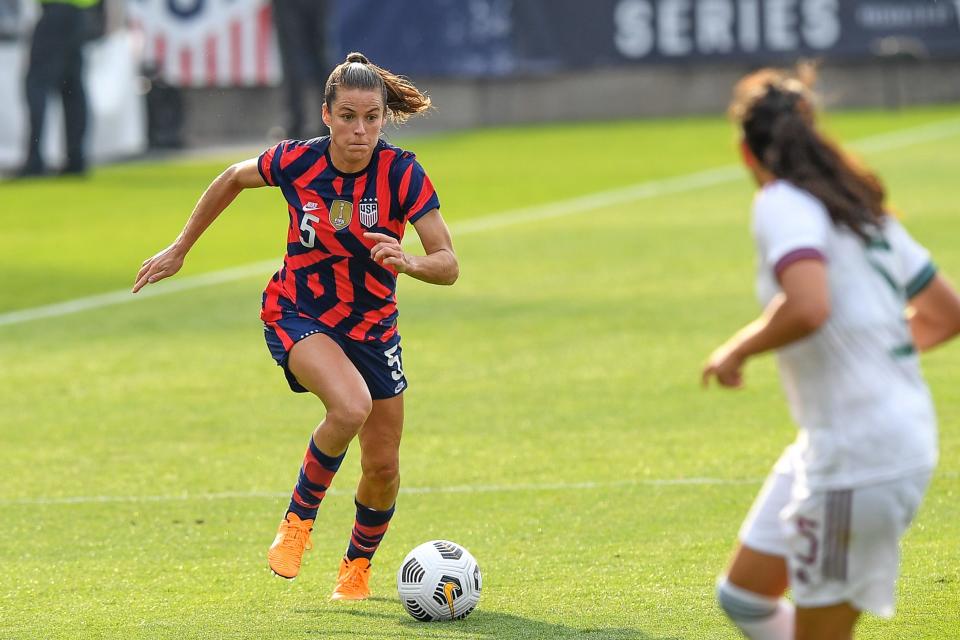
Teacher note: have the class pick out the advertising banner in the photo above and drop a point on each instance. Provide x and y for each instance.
(751, 30)
(208, 43)
(477, 38)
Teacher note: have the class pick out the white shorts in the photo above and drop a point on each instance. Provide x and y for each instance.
(841, 545)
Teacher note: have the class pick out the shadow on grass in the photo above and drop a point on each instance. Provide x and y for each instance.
(480, 624)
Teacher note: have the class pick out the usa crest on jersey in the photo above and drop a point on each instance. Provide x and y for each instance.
(369, 214)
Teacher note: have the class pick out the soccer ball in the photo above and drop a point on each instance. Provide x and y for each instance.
(439, 580)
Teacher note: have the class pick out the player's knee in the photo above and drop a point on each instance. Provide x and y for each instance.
(382, 473)
(743, 606)
(351, 414)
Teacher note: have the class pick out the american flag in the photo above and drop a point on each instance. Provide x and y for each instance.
(208, 43)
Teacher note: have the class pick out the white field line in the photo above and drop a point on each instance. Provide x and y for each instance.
(893, 140)
(456, 489)
(123, 295)
(489, 488)
(642, 191)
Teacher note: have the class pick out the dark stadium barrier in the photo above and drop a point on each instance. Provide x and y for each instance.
(498, 38)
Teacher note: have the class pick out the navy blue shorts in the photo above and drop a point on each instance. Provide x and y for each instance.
(378, 362)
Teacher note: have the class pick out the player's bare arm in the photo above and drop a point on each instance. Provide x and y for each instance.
(438, 266)
(934, 314)
(217, 197)
(802, 307)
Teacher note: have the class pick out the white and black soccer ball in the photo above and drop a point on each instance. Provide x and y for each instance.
(439, 580)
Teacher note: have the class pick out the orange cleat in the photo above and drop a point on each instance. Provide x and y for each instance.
(353, 582)
(293, 538)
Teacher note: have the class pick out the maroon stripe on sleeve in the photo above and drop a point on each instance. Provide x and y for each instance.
(807, 253)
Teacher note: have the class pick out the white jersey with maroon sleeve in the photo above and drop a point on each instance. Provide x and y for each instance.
(854, 386)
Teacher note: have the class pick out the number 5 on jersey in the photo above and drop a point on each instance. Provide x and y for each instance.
(308, 235)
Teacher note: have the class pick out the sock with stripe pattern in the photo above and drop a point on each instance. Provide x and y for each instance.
(368, 530)
(316, 474)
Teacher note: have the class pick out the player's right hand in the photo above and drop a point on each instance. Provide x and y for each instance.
(162, 265)
(726, 365)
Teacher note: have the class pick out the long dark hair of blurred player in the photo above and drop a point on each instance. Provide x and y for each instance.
(849, 298)
(330, 312)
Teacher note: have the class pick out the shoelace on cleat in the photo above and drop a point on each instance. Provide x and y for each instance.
(296, 537)
(354, 578)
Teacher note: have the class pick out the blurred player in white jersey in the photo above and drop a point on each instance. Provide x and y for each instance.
(849, 299)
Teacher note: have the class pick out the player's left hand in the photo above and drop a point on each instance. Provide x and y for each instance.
(726, 365)
(387, 252)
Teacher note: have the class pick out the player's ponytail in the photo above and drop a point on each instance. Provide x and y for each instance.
(400, 97)
(775, 111)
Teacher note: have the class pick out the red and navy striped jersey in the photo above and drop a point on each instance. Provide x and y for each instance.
(327, 271)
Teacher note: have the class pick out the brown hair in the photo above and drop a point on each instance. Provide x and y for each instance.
(400, 97)
(775, 110)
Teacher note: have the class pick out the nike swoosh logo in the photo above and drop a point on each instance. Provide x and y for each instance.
(448, 589)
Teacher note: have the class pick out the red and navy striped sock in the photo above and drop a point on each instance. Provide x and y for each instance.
(368, 531)
(316, 474)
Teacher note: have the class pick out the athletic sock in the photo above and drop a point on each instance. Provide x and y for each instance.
(368, 530)
(316, 474)
(758, 617)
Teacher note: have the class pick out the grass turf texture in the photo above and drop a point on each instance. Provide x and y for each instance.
(568, 353)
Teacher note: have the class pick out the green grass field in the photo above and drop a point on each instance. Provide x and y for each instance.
(555, 424)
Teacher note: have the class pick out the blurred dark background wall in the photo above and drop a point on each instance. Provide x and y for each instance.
(195, 73)
(489, 62)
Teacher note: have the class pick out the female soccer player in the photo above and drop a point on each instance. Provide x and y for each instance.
(330, 312)
(849, 297)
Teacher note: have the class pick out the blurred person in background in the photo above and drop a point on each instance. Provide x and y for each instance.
(56, 65)
(301, 36)
(849, 299)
